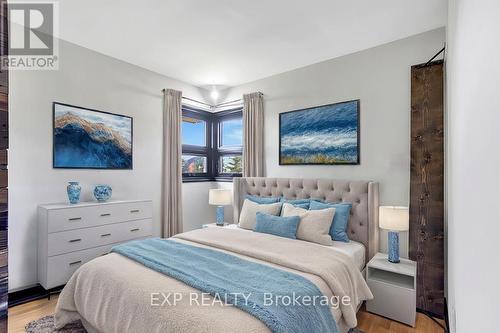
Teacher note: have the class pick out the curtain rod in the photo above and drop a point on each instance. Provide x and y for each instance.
(214, 106)
(235, 101)
(193, 100)
(230, 102)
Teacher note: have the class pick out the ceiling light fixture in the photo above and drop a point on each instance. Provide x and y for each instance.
(214, 94)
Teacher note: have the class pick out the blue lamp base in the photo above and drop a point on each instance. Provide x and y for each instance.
(393, 238)
(219, 215)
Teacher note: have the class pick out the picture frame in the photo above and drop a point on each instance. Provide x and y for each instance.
(337, 140)
(85, 138)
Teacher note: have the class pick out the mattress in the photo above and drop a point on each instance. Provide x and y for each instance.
(113, 293)
(355, 250)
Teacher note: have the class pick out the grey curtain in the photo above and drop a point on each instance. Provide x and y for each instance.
(172, 164)
(253, 135)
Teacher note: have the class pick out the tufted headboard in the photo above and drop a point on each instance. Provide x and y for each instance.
(363, 223)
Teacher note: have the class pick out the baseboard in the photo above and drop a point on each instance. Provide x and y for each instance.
(31, 294)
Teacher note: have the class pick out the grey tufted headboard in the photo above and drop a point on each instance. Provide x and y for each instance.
(363, 223)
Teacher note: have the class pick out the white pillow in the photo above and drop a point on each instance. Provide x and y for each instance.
(250, 209)
(314, 225)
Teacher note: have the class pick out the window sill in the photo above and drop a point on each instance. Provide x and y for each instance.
(207, 179)
(197, 180)
(225, 179)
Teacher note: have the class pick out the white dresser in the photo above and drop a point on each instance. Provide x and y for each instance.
(71, 235)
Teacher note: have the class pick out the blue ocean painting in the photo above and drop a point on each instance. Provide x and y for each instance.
(89, 139)
(320, 135)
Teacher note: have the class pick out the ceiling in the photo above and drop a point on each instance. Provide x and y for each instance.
(230, 42)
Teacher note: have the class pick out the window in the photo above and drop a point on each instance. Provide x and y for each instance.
(232, 132)
(194, 131)
(230, 144)
(192, 164)
(230, 164)
(212, 144)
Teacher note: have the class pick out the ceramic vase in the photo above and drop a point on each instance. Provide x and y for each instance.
(74, 189)
(102, 192)
(393, 240)
(219, 215)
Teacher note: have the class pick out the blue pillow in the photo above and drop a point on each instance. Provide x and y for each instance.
(340, 219)
(263, 200)
(277, 225)
(301, 203)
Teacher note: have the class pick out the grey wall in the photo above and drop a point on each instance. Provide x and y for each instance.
(380, 78)
(89, 79)
(473, 168)
(196, 210)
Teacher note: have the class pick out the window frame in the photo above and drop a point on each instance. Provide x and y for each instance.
(226, 151)
(213, 150)
(198, 150)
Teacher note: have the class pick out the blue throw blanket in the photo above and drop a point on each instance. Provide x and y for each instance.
(260, 290)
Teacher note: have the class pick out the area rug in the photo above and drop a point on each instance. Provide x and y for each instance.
(46, 325)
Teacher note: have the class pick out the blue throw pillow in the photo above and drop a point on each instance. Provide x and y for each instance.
(301, 203)
(263, 200)
(340, 219)
(277, 225)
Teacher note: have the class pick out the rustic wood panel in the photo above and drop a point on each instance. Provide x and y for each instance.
(4, 145)
(3, 178)
(3, 159)
(4, 102)
(427, 185)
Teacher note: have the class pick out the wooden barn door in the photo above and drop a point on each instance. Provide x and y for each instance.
(427, 184)
(4, 145)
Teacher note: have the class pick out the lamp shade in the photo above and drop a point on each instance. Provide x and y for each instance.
(219, 197)
(394, 218)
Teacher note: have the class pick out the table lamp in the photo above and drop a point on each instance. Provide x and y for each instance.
(219, 198)
(394, 219)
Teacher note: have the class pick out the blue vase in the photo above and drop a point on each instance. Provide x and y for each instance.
(219, 215)
(393, 239)
(102, 192)
(74, 190)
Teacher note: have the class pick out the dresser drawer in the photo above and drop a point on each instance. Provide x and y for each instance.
(129, 211)
(79, 239)
(60, 268)
(97, 215)
(392, 301)
(67, 219)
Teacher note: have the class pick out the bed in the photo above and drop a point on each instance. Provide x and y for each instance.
(354, 250)
(114, 293)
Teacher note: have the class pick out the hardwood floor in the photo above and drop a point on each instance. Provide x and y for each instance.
(371, 323)
(20, 315)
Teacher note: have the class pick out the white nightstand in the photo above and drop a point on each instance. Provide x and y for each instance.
(212, 225)
(394, 288)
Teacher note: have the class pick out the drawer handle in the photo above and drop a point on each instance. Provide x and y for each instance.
(75, 240)
(75, 219)
(135, 211)
(135, 229)
(105, 214)
(105, 235)
(75, 263)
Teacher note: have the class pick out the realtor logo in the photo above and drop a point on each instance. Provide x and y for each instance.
(32, 33)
